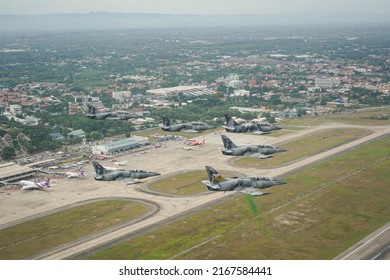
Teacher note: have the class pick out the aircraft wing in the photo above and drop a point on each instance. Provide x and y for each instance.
(117, 118)
(253, 191)
(258, 132)
(260, 156)
(210, 185)
(131, 182)
(190, 131)
(206, 182)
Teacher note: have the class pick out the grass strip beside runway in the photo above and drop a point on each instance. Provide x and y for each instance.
(320, 212)
(309, 145)
(185, 183)
(41, 234)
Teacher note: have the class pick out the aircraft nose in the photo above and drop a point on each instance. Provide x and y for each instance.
(280, 182)
(281, 150)
(154, 174)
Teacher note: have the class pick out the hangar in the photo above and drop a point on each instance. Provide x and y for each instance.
(120, 146)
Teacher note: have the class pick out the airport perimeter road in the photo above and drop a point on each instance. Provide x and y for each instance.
(171, 158)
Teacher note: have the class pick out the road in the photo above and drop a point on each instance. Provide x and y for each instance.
(375, 246)
(167, 160)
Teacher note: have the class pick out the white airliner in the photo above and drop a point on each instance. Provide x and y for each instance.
(30, 185)
(75, 174)
(121, 163)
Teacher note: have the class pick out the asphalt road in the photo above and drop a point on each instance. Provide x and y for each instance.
(375, 246)
(21, 206)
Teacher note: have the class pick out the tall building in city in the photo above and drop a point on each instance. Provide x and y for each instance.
(327, 82)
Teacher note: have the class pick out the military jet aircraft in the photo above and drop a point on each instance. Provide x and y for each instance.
(262, 128)
(122, 115)
(248, 185)
(93, 114)
(114, 115)
(186, 127)
(30, 185)
(102, 174)
(261, 151)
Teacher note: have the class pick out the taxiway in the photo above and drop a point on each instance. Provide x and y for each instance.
(21, 206)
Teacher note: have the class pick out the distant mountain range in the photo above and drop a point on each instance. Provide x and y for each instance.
(110, 21)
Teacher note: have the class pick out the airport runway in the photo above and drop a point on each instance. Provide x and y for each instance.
(375, 246)
(22, 206)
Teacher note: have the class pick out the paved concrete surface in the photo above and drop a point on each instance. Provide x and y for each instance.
(21, 206)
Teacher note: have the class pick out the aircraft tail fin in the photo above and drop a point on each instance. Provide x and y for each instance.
(166, 121)
(91, 109)
(230, 121)
(46, 184)
(227, 143)
(214, 176)
(99, 169)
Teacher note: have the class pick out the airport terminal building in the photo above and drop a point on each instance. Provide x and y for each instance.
(11, 172)
(120, 146)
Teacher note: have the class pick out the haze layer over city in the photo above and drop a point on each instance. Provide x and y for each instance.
(276, 67)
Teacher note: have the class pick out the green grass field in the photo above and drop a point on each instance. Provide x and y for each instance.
(322, 211)
(306, 146)
(38, 235)
(318, 214)
(358, 118)
(186, 183)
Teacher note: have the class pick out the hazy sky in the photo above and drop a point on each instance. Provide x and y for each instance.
(200, 7)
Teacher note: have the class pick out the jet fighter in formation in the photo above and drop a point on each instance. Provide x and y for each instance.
(261, 151)
(262, 128)
(102, 174)
(193, 127)
(113, 115)
(248, 185)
